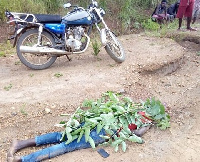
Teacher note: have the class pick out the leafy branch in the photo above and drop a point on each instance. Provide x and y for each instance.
(114, 114)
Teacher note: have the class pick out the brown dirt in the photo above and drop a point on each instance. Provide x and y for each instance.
(157, 67)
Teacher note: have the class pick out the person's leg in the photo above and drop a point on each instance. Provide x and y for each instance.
(179, 23)
(180, 13)
(17, 145)
(188, 14)
(189, 19)
(62, 148)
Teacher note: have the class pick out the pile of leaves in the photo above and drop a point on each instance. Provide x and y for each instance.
(114, 113)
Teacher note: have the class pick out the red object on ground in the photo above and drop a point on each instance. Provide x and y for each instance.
(134, 126)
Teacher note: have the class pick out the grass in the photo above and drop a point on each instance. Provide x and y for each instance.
(7, 88)
(22, 109)
(6, 49)
(156, 30)
(96, 45)
(198, 53)
(58, 75)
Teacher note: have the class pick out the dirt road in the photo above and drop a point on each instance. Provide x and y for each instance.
(31, 101)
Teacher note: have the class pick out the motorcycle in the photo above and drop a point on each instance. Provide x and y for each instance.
(41, 38)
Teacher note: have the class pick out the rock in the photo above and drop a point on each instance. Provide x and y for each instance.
(13, 113)
(47, 110)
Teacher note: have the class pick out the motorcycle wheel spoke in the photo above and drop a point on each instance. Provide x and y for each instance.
(37, 59)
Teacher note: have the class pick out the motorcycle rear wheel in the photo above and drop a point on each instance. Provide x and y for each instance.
(32, 60)
(114, 48)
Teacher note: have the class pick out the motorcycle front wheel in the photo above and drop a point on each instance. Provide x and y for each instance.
(114, 48)
(33, 60)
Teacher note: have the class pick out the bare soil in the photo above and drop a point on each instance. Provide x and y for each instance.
(31, 101)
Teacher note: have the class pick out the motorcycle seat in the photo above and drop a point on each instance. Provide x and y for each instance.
(42, 18)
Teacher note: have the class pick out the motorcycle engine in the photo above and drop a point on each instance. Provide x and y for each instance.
(74, 36)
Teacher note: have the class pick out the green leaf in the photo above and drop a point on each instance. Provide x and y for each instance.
(132, 119)
(69, 138)
(123, 120)
(114, 127)
(116, 148)
(135, 138)
(99, 127)
(109, 131)
(158, 117)
(117, 142)
(104, 137)
(75, 122)
(91, 141)
(76, 131)
(123, 146)
(68, 130)
(87, 133)
(126, 129)
(80, 136)
(155, 110)
(113, 97)
(122, 135)
(108, 118)
(92, 120)
(63, 136)
(119, 108)
(127, 99)
(128, 117)
(162, 109)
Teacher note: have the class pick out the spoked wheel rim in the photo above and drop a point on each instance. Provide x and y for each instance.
(36, 58)
(114, 45)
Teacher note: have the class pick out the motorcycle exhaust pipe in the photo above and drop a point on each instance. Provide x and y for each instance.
(27, 49)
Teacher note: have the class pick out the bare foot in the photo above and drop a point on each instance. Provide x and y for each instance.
(13, 149)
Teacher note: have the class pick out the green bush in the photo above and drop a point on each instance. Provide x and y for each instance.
(150, 25)
(122, 16)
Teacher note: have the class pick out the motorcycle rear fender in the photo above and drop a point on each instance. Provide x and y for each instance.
(18, 33)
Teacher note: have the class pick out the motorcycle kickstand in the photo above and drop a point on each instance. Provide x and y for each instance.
(68, 58)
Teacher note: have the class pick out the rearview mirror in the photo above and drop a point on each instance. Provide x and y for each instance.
(67, 5)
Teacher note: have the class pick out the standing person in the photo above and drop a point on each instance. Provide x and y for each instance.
(196, 10)
(185, 9)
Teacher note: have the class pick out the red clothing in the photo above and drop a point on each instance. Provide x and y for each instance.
(185, 8)
(185, 2)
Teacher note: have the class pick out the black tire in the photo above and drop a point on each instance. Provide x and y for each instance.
(29, 59)
(114, 48)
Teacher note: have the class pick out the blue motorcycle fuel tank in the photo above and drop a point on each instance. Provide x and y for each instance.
(77, 18)
(56, 28)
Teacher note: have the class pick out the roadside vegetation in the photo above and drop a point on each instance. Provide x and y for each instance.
(123, 17)
(126, 16)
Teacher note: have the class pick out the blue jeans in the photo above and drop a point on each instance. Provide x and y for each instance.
(60, 148)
